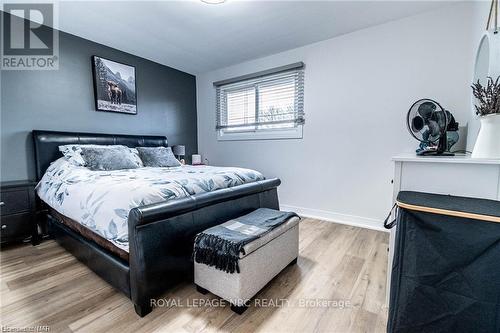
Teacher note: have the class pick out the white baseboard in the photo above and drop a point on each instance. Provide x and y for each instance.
(324, 215)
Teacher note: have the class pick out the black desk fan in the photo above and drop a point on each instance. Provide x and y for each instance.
(428, 122)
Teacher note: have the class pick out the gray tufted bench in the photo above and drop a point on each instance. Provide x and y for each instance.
(264, 258)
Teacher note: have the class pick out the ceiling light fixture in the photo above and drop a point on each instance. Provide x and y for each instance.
(213, 2)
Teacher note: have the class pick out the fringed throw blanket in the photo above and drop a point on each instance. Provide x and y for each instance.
(220, 246)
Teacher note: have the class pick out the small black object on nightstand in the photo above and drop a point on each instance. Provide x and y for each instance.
(18, 212)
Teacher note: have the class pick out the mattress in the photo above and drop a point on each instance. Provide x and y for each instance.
(88, 234)
(100, 201)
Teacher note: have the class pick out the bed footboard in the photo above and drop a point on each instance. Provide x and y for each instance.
(161, 236)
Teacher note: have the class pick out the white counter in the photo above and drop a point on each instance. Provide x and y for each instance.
(457, 159)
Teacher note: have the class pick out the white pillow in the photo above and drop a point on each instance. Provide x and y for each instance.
(73, 153)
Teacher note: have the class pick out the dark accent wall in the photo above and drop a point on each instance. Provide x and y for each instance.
(63, 100)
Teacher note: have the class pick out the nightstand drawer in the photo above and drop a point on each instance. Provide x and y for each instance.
(16, 226)
(14, 201)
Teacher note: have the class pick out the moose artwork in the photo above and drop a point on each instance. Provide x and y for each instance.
(114, 85)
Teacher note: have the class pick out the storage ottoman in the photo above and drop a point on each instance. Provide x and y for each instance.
(264, 258)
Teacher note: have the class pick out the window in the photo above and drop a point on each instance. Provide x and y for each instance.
(264, 105)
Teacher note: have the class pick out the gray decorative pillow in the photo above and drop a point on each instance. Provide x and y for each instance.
(158, 157)
(104, 158)
(73, 152)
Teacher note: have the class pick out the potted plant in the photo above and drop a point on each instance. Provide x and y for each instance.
(488, 108)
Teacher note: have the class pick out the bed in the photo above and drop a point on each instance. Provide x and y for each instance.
(143, 245)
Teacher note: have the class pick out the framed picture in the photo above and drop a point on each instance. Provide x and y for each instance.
(114, 86)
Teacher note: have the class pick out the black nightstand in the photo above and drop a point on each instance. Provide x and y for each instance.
(18, 212)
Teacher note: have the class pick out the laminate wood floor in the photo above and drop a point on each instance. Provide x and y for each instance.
(338, 285)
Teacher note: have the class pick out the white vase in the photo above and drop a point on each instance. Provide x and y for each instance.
(487, 64)
(488, 141)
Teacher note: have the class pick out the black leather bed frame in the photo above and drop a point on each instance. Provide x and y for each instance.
(161, 235)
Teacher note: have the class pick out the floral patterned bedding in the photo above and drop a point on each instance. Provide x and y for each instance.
(101, 200)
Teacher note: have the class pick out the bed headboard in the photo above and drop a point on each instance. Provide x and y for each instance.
(47, 144)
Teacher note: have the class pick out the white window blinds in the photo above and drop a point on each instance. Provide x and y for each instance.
(272, 99)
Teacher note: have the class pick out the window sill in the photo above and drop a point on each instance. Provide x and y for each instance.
(277, 134)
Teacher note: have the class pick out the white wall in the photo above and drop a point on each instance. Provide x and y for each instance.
(358, 88)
